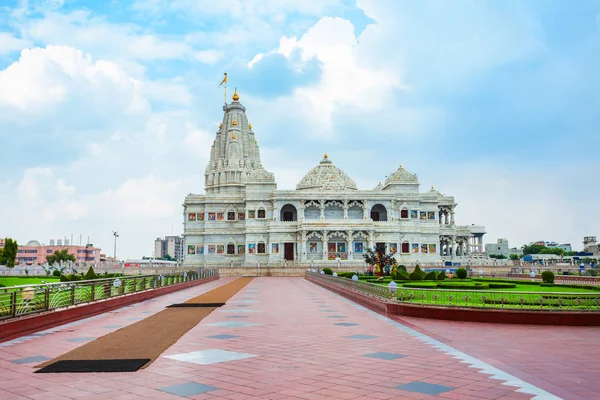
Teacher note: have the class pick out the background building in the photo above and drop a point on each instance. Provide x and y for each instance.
(590, 245)
(35, 253)
(501, 248)
(564, 246)
(171, 245)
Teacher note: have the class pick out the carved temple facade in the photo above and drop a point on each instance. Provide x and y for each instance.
(244, 220)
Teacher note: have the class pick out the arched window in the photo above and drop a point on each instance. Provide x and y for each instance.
(261, 248)
(288, 213)
(231, 248)
(379, 213)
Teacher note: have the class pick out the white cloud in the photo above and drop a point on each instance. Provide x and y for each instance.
(344, 82)
(121, 43)
(43, 79)
(9, 43)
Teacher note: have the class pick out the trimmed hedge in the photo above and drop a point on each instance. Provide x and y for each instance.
(416, 276)
(327, 271)
(401, 274)
(506, 281)
(441, 276)
(430, 276)
(421, 285)
(461, 273)
(548, 277)
(467, 286)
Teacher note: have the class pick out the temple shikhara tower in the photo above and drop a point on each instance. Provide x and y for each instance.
(242, 219)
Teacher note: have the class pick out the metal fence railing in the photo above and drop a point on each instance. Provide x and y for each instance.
(17, 301)
(496, 299)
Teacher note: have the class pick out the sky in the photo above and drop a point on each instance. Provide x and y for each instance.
(108, 108)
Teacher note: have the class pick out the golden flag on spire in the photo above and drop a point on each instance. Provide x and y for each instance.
(224, 79)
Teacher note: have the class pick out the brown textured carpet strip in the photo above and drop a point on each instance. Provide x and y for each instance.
(150, 337)
(213, 305)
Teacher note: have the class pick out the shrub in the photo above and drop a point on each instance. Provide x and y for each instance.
(441, 276)
(461, 273)
(416, 276)
(402, 275)
(74, 277)
(64, 278)
(419, 271)
(90, 274)
(430, 276)
(401, 267)
(56, 273)
(462, 285)
(548, 277)
(327, 271)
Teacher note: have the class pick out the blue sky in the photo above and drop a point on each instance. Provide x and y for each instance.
(108, 109)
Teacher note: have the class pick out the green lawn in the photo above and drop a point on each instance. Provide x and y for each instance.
(18, 281)
(549, 289)
(522, 296)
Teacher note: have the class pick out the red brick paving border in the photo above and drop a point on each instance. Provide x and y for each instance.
(15, 328)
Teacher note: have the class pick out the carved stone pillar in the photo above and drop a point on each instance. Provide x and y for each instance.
(322, 207)
(348, 244)
(301, 211)
(452, 216)
(365, 210)
(345, 209)
(302, 256)
(324, 245)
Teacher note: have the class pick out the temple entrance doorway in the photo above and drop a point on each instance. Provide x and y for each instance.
(288, 251)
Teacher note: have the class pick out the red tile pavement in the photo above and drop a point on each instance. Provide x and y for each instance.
(562, 360)
(301, 354)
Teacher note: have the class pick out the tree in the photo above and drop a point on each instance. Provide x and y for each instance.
(379, 259)
(167, 257)
(498, 256)
(59, 256)
(533, 249)
(554, 250)
(8, 254)
(514, 256)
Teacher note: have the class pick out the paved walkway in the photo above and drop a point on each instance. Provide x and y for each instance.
(560, 359)
(278, 338)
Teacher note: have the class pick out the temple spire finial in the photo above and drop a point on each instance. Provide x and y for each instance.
(235, 96)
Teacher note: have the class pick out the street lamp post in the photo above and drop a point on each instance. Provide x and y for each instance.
(116, 235)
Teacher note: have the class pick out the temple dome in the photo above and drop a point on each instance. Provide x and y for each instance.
(260, 174)
(401, 176)
(326, 176)
(33, 243)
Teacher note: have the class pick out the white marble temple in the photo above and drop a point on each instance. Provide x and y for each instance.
(243, 220)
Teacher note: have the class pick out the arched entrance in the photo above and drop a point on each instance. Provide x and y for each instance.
(288, 213)
(379, 213)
